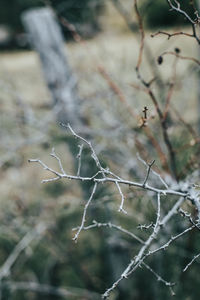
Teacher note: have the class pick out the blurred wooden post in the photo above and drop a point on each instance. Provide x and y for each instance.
(46, 38)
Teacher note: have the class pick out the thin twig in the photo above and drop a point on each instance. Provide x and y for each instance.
(148, 172)
(84, 213)
(191, 262)
(159, 278)
(53, 154)
(122, 199)
(170, 91)
(154, 172)
(93, 155)
(171, 34)
(111, 225)
(79, 159)
(181, 57)
(140, 23)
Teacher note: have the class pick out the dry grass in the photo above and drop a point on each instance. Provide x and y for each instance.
(116, 52)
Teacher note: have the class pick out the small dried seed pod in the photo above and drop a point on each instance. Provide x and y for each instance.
(177, 50)
(160, 60)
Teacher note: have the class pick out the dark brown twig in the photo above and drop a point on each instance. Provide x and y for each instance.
(169, 35)
(141, 28)
(170, 91)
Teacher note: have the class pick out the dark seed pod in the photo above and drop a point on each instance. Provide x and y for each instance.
(177, 50)
(160, 60)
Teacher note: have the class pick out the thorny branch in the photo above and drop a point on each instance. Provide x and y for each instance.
(104, 175)
(110, 225)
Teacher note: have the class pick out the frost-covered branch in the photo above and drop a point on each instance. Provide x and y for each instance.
(104, 175)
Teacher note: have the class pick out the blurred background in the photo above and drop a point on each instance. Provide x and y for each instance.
(101, 47)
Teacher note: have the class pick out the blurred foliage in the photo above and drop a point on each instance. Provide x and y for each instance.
(156, 13)
(10, 11)
(75, 11)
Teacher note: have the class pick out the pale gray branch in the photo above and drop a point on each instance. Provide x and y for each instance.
(111, 225)
(84, 213)
(23, 244)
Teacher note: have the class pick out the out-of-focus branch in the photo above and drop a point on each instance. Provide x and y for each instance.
(50, 290)
(171, 89)
(128, 18)
(114, 87)
(125, 14)
(146, 129)
(172, 156)
(23, 244)
(180, 56)
(187, 125)
(142, 34)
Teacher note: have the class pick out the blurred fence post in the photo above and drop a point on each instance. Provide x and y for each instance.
(46, 38)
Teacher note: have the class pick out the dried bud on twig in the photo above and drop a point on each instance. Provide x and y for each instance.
(177, 50)
(160, 60)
